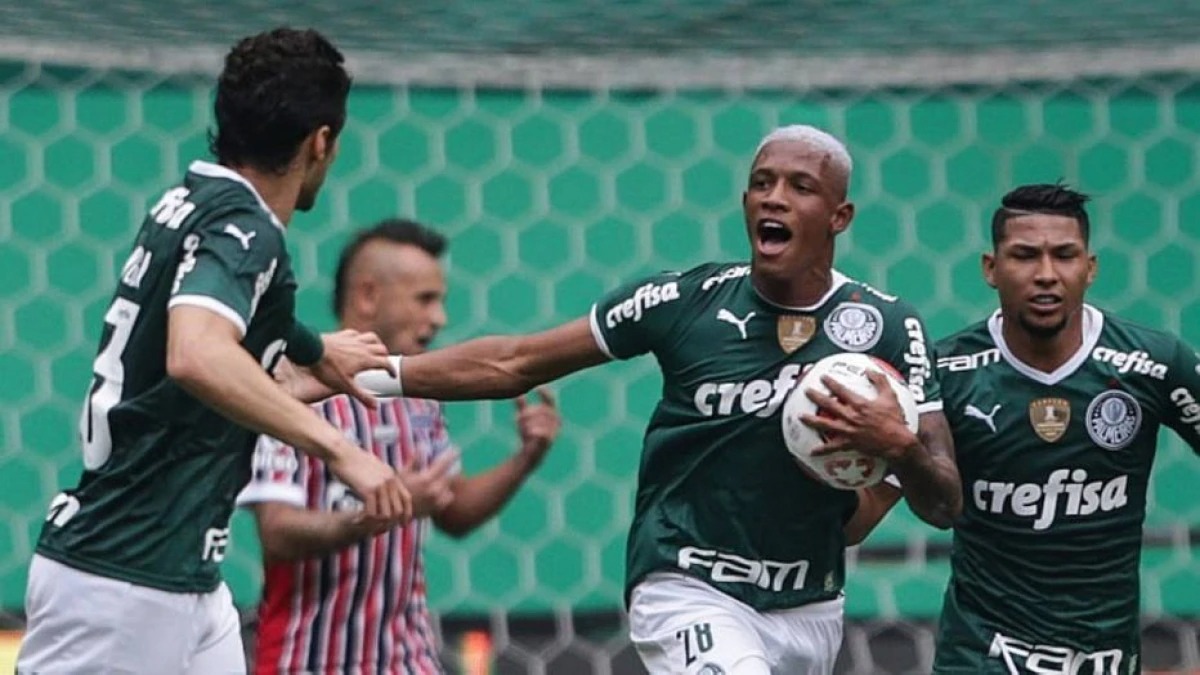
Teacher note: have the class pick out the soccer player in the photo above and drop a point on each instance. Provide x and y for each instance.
(126, 575)
(735, 556)
(366, 611)
(1055, 408)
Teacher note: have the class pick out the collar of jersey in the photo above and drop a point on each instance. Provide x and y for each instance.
(838, 280)
(211, 170)
(1093, 323)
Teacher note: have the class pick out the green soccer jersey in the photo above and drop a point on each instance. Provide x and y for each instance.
(161, 469)
(719, 497)
(1044, 568)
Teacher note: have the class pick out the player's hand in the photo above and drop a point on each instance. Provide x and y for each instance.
(300, 383)
(430, 486)
(871, 426)
(347, 353)
(537, 426)
(385, 498)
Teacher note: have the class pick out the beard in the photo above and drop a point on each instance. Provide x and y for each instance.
(1042, 331)
(306, 199)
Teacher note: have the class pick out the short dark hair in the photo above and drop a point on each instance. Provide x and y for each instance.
(393, 230)
(1051, 198)
(277, 88)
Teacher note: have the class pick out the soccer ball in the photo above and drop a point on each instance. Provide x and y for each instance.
(846, 469)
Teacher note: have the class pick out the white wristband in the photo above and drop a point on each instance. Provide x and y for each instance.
(379, 382)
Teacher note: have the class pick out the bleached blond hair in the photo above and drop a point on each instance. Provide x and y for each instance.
(815, 138)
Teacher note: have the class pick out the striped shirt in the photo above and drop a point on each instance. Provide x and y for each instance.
(362, 609)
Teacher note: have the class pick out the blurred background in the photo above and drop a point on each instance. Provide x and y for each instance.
(566, 147)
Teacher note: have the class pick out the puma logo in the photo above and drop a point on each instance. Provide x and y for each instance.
(988, 419)
(728, 317)
(243, 237)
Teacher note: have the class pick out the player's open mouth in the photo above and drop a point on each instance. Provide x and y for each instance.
(772, 237)
(1045, 302)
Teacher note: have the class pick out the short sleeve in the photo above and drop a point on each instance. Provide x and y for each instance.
(906, 346)
(277, 475)
(227, 265)
(636, 318)
(1182, 387)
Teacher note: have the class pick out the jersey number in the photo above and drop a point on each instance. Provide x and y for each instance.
(694, 646)
(107, 382)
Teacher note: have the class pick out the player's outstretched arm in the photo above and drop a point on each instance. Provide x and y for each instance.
(205, 357)
(478, 498)
(492, 367)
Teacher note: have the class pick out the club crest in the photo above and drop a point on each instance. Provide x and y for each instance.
(854, 326)
(1113, 419)
(794, 331)
(1049, 417)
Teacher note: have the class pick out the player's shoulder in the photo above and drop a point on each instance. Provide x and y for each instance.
(968, 349)
(1121, 333)
(854, 290)
(965, 340)
(225, 198)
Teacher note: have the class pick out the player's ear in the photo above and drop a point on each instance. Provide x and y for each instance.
(988, 262)
(842, 217)
(1093, 267)
(321, 144)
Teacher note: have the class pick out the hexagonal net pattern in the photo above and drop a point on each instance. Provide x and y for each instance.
(550, 197)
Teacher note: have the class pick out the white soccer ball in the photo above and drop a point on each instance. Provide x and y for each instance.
(846, 469)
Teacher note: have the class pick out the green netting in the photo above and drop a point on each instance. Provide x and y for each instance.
(549, 199)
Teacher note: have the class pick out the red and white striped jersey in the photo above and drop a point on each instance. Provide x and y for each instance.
(362, 609)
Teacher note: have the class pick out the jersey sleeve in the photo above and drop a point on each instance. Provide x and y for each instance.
(907, 348)
(637, 317)
(277, 475)
(227, 266)
(1183, 395)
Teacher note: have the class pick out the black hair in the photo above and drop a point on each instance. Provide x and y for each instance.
(393, 230)
(276, 88)
(1050, 198)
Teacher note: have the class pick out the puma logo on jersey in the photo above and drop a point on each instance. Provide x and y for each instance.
(988, 419)
(243, 237)
(728, 317)
(1042, 501)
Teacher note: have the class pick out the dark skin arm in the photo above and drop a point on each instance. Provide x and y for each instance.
(873, 504)
(501, 366)
(924, 462)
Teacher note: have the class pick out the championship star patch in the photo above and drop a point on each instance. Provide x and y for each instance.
(1049, 417)
(794, 331)
(854, 326)
(1113, 419)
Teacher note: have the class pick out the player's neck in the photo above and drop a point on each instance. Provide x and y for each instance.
(1045, 353)
(801, 290)
(279, 191)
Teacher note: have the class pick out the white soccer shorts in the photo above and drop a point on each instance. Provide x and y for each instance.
(682, 625)
(80, 622)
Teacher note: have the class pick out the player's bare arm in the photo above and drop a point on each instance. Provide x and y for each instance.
(205, 357)
(290, 532)
(496, 366)
(873, 504)
(478, 498)
(924, 462)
